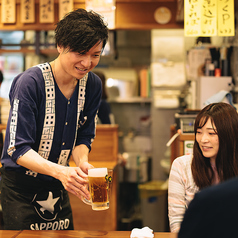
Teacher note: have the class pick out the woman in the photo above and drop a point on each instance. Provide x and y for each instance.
(214, 159)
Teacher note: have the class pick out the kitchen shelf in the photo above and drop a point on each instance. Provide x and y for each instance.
(28, 48)
(23, 51)
(130, 100)
(29, 51)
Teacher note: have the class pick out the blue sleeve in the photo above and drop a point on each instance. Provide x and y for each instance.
(25, 100)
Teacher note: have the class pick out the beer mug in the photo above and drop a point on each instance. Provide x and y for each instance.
(98, 182)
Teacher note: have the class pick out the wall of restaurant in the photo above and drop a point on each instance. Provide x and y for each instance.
(137, 54)
(134, 50)
(168, 46)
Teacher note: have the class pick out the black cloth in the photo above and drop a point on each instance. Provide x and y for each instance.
(104, 112)
(32, 204)
(213, 213)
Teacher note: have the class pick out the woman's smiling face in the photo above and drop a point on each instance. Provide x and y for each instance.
(208, 140)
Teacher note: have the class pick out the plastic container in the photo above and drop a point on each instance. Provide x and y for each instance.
(154, 205)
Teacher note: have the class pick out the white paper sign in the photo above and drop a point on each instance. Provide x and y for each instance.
(105, 8)
(170, 74)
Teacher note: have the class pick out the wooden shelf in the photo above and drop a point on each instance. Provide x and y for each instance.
(30, 48)
(49, 51)
(22, 51)
(182, 139)
(130, 100)
(188, 136)
(29, 51)
(128, 15)
(177, 147)
(3, 127)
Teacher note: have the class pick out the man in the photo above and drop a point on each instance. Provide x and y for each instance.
(52, 117)
(212, 213)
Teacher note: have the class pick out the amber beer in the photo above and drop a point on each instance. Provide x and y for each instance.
(98, 186)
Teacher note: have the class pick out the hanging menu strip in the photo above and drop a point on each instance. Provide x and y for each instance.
(209, 18)
(46, 11)
(8, 11)
(65, 6)
(226, 22)
(192, 17)
(27, 11)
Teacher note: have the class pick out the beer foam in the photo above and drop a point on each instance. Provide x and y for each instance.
(97, 172)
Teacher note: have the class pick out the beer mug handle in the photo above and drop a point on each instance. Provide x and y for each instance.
(86, 201)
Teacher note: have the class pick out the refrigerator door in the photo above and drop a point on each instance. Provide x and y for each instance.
(11, 66)
(209, 86)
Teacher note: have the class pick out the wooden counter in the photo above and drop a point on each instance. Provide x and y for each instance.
(81, 234)
(8, 234)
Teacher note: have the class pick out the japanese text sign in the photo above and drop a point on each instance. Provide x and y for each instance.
(27, 11)
(209, 17)
(46, 11)
(8, 11)
(65, 6)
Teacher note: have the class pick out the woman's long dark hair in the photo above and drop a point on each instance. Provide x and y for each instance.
(225, 118)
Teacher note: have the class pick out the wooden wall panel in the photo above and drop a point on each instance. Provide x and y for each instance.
(36, 25)
(130, 14)
(105, 145)
(140, 15)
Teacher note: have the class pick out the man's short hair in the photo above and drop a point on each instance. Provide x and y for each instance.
(80, 30)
